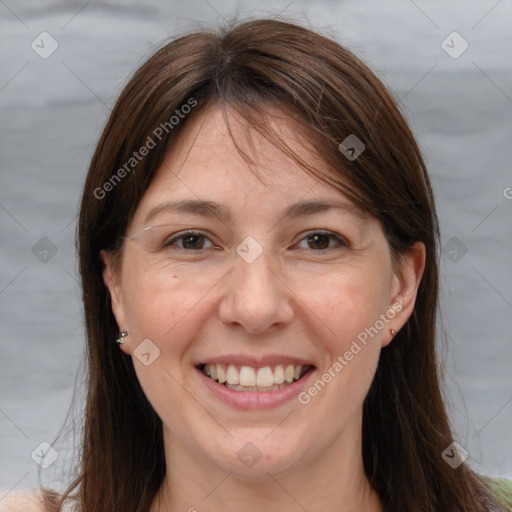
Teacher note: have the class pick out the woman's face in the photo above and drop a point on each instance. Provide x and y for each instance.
(277, 275)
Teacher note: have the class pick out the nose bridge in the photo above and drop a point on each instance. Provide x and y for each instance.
(256, 298)
(254, 266)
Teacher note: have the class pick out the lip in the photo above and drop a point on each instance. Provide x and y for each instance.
(248, 401)
(255, 362)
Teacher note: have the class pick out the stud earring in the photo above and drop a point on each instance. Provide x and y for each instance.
(122, 336)
(393, 332)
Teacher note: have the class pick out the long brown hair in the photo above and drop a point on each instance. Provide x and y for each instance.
(250, 68)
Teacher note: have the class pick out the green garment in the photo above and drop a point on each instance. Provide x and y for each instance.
(502, 489)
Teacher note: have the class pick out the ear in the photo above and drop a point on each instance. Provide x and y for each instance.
(111, 278)
(404, 289)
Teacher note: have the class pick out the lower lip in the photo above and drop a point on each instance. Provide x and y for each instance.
(247, 400)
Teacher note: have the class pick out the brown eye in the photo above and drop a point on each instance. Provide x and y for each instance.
(320, 241)
(187, 241)
(193, 242)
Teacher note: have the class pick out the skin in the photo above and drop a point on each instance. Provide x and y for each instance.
(293, 299)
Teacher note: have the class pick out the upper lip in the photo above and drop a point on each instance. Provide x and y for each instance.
(255, 362)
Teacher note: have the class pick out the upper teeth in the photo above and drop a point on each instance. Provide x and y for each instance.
(248, 376)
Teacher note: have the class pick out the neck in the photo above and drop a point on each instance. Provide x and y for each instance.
(333, 480)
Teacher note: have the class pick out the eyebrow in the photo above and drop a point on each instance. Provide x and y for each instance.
(222, 213)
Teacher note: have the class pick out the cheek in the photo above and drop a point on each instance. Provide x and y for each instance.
(165, 309)
(352, 303)
(158, 301)
(349, 302)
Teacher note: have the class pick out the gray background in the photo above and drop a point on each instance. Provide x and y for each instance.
(53, 110)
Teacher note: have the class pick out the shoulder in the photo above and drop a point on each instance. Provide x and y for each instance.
(502, 489)
(22, 501)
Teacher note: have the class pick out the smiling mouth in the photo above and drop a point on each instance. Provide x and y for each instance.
(249, 379)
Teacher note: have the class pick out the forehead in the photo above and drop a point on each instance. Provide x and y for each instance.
(232, 163)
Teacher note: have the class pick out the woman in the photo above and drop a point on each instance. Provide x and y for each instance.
(258, 252)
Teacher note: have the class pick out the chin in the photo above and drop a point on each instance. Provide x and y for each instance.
(254, 457)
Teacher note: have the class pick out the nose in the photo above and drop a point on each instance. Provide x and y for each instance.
(257, 297)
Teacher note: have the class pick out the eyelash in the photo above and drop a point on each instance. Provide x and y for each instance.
(341, 241)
